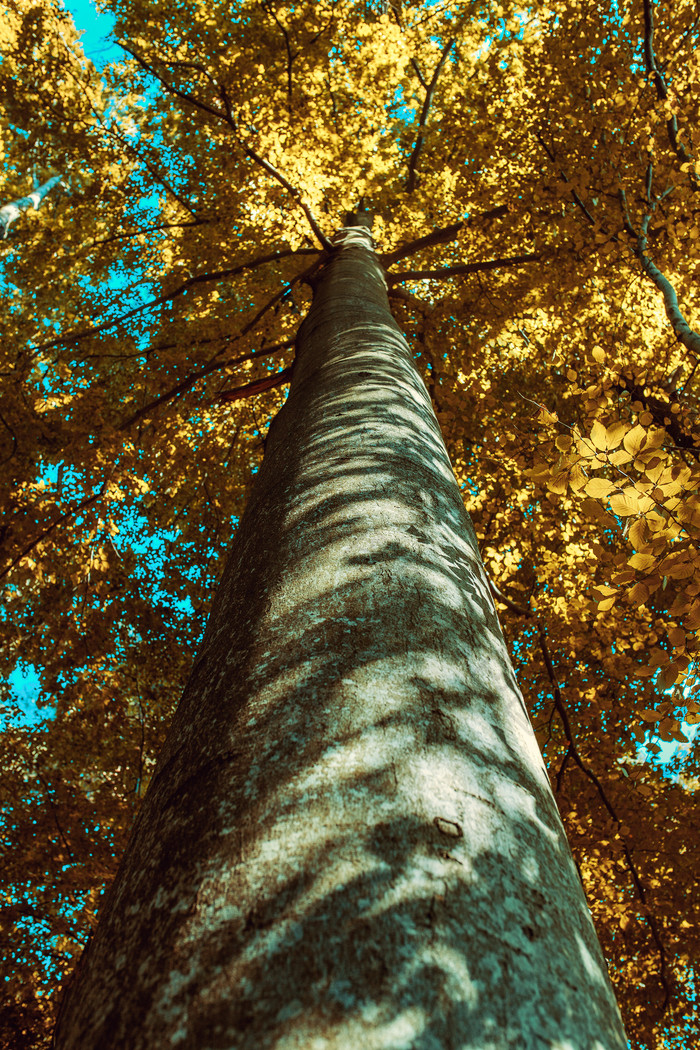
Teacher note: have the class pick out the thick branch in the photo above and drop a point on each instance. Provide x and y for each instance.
(9, 213)
(257, 386)
(682, 330)
(443, 235)
(411, 300)
(453, 271)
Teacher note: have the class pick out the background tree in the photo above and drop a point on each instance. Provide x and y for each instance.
(551, 381)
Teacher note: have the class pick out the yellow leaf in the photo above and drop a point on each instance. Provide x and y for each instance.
(641, 561)
(598, 436)
(620, 457)
(615, 433)
(639, 594)
(635, 439)
(676, 637)
(598, 354)
(578, 479)
(637, 533)
(625, 503)
(604, 590)
(599, 488)
(559, 482)
(594, 510)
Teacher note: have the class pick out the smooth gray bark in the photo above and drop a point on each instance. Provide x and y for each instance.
(350, 840)
(9, 213)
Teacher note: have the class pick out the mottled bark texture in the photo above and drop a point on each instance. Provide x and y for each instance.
(350, 840)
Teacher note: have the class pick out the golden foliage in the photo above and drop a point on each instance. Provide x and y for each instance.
(203, 174)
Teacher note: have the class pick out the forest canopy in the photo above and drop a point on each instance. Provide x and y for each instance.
(532, 172)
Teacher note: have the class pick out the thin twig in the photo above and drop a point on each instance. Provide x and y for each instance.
(191, 282)
(430, 91)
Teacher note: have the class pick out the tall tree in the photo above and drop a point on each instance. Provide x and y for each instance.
(170, 271)
(350, 836)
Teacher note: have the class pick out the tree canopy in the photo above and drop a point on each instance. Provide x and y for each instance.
(533, 175)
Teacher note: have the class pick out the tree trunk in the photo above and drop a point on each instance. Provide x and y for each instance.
(9, 213)
(350, 839)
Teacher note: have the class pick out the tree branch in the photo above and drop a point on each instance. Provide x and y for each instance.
(257, 386)
(641, 892)
(653, 69)
(194, 377)
(411, 300)
(453, 271)
(686, 335)
(430, 91)
(47, 531)
(293, 192)
(9, 213)
(288, 47)
(191, 282)
(205, 107)
(443, 235)
(226, 114)
(661, 412)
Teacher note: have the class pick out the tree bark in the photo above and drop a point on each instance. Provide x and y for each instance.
(9, 213)
(350, 838)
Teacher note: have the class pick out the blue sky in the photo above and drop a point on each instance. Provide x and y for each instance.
(95, 29)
